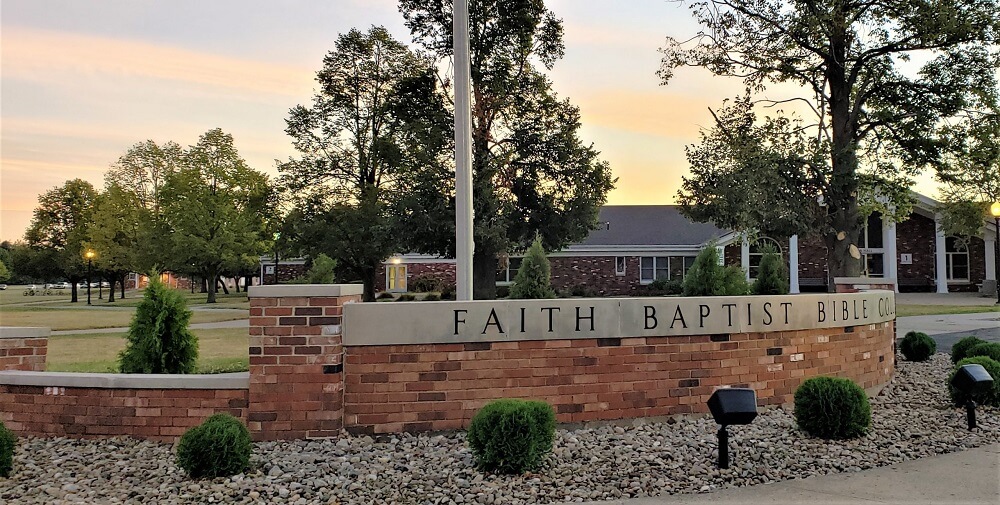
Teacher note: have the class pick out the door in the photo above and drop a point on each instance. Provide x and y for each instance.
(395, 278)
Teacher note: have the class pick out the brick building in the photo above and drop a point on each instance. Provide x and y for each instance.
(636, 244)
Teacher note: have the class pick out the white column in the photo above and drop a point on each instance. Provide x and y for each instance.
(939, 257)
(890, 260)
(464, 246)
(991, 267)
(745, 256)
(793, 264)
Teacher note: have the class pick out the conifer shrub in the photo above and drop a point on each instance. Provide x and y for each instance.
(158, 339)
(989, 397)
(512, 436)
(989, 349)
(322, 271)
(7, 443)
(772, 274)
(218, 447)
(533, 280)
(960, 350)
(707, 277)
(425, 284)
(917, 346)
(832, 408)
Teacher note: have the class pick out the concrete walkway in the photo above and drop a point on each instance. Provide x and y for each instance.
(971, 476)
(950, 328)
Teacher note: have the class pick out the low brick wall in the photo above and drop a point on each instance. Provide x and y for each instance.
(23, 348)
(155, 407)
(440, 386)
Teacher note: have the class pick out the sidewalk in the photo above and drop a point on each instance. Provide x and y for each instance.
(967, 477)
(949, 328)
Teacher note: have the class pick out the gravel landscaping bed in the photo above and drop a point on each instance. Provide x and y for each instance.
(912, 418)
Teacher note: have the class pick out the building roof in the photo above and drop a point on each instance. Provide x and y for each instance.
(648, 225)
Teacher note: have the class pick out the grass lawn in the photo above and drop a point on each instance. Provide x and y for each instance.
(219, 350)
(84, 318)
(929, 310)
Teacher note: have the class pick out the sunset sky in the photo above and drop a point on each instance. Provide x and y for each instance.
(82, 81)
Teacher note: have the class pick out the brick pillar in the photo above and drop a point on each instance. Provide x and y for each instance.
(296, 360)
(23, 348)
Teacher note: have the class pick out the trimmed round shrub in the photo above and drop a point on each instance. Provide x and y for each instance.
(917, 346)
(988, 349)
(990, 397)
(960, 350)
(218, 447)
(512, 436)
(7, 442)
(832, 407)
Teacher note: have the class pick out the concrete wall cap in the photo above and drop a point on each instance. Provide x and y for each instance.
(23, 332)
(237, 380)
(295, 290)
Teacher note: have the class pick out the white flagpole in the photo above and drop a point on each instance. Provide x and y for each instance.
(464, 245)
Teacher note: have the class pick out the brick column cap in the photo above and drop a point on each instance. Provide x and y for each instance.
(23, 332)
(305, 290)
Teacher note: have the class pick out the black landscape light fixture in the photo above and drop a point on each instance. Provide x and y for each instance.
(731, 406)
(970, 380)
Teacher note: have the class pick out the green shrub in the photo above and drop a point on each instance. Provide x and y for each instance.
(7, 443)
(832, 407)
(990, 397)
(503, 291)
(707, 277)
(448, 292)
(917, 346)
(158, 339)
(512, 436)
(960, 350)
(583, 290)
(218, 447)
(322, 270)
(432, 297)
(533, 280)
(385, 295)
(425, 284)
(406, 297)
(772, 274)
(989, 349)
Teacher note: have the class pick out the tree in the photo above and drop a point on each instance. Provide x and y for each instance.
(531, 172)
(214, 207)
(534, 277)
(158, 339)
(772, 275)
(4, 272)
(115, 235)
(376, 128)
(846, 57)
(970, 172)
(59, 226)
(322, 270)
(707, 276)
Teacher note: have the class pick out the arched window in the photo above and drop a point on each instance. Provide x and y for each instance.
(956, 253)
(757, 250)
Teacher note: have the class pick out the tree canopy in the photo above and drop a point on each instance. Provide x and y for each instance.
(59, 226)
(874, 109)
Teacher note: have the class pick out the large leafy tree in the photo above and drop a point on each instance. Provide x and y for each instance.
(213, 206)
(531, 172)
(970, 173)
(59, 227)
(375, 132)
(116, 235)
(847, 56)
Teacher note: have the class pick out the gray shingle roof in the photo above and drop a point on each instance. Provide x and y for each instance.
(648, 225)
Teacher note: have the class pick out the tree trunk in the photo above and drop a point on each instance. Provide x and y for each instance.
(222, 282)
(111, 285)
(204, 284)
(484, 275)
(368, 281)
(210, 285)
(236, 282)
(123, 278)
(842, 197)
(73, 282)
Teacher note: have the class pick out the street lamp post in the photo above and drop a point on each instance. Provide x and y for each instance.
(995, 210)
(90, 264)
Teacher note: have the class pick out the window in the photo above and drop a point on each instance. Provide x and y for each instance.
(870, 246)
(395, 278)
(956, 259)
(506, 273)
(652, 268)
(757, 252)
(620, 265)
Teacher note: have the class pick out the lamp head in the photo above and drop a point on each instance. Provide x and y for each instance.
(995, 209)
(972, 379)
(90, 255)
(733, 406)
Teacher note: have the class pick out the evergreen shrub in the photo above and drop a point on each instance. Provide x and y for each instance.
(425, 284)
(917, 346)
(960, 350)
(406, 297)
(7, 443)
(503, 291)
(432, 297)
(832, 408)
(322, 270)
(989, 349)
(385, 295)
(158, 339)
(512, 436)
(772, 274)
(533, 280)
(707, 277)
(989, 397)
(218, 447)
(448, 292)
